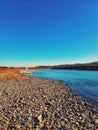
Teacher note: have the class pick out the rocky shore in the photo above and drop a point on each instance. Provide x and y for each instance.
(41, 104)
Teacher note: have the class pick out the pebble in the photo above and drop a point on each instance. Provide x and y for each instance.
(1, 118)
(29, 125)
(35, 103)
(17, 127)
(4, 128)
(96, 121)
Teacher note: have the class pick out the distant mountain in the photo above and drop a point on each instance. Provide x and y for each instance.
(77, 66)
(95, 62)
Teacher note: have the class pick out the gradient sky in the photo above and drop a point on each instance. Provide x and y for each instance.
(40, 32)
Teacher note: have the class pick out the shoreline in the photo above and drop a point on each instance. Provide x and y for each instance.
(38, 103)
(72, 91)
(82, 96)
(68, 84)
(94, 103)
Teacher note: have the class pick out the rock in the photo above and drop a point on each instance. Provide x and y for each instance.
(74, 128)
(5, 128)
(1, 118)
(41, 124)
(39, 118)
(37, 128)
(0, 93)
(84, 115)
(29, 126)
(77, 124)
(96, 121)
(17, 127)
(58, 125)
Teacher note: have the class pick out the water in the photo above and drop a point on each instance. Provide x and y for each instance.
(85, 83)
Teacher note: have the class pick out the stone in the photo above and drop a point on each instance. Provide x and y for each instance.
(1, 118)
(17, 126)
(41, 124)
(77, 124)
(37, 128)
(84, 115)
(39, 118)
(5, 128)
(0, 93)
(96, 121)
(29, 126)
(58, 125)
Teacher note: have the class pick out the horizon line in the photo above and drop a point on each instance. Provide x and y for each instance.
(17, 66)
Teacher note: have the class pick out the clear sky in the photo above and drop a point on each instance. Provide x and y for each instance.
(46, 32)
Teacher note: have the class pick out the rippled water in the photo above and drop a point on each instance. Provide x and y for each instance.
(83, 82)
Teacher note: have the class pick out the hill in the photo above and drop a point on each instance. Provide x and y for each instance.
(84, 66)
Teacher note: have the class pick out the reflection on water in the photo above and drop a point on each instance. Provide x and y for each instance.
(83, 82)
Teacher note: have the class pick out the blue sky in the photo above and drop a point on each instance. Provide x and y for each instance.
(46, 32)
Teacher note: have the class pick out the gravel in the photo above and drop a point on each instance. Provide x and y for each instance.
(42, 104)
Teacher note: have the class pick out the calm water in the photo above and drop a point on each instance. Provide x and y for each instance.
(85, 83)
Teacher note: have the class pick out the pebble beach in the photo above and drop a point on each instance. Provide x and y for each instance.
(29, 103)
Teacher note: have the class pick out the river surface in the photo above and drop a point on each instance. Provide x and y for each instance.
(85, 83)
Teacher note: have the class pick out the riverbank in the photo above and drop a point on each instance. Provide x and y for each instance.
(35, 103)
